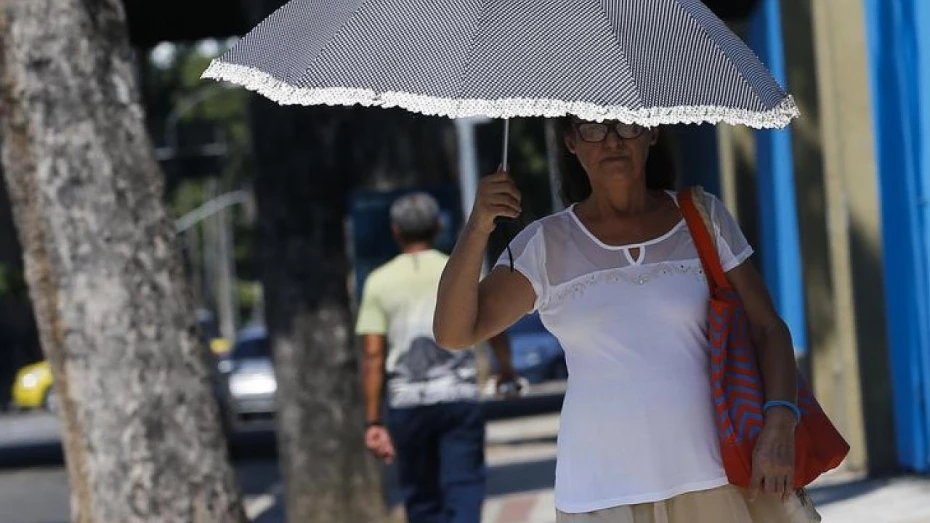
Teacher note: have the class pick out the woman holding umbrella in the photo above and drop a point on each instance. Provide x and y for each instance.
(616, 277)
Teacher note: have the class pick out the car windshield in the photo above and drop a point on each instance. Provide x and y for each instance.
(250, 348)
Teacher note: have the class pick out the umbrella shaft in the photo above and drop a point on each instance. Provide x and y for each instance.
(505, 162)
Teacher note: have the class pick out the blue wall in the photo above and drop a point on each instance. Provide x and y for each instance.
(899, 63)
(778, 216)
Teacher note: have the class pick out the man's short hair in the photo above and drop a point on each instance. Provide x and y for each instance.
(416, 217)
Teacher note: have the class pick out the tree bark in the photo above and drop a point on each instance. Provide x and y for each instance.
(141, 427)
(327, 474)
(309, 160)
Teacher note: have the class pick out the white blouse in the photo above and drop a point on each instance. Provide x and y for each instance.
(637, 421)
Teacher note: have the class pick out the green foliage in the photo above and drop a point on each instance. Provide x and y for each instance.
(188, 195)
(177, 100)
(12, 283)
(248, 295)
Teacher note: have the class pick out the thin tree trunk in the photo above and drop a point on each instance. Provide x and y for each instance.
(308, 161)
(141, 428)
(301, 200)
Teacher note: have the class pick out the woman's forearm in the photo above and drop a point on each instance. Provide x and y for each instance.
(776, 363)
(454, 323)
(771, 338)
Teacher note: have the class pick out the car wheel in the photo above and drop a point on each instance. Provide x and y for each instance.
(51, 401)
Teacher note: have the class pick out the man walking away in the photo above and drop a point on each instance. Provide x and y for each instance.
(435, 425)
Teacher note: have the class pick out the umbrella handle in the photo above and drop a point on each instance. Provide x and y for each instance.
(505, 162)
(505, 166)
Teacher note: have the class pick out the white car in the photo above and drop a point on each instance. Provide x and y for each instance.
(248, 378)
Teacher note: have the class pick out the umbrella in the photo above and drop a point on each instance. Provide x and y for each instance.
(651, 62)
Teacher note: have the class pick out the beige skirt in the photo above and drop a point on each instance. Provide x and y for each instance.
(727, 504)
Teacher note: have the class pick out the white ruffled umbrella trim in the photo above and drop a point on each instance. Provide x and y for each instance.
(286, 94)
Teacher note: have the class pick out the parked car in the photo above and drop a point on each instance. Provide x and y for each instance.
(537, 354)
(247, 377)
(33, 385)
(33, 388)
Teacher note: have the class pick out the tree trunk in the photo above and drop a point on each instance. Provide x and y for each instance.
(141, 427)
(328, 475)
(309, 160)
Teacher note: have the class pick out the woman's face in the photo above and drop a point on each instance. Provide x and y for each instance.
(611, 152)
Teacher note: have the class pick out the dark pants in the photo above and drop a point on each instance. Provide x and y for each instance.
(440, 461)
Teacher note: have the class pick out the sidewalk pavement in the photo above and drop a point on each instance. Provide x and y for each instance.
(521, 459)
(521, 469)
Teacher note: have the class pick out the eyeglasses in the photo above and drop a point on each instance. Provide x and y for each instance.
(595, 132)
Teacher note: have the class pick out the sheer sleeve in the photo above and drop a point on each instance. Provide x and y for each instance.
(732, 246)
(529, 259)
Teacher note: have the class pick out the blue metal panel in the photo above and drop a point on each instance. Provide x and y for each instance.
(922, 19)
(778, 217)
(898, 60)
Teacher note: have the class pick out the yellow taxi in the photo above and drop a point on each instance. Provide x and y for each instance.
(33, 387)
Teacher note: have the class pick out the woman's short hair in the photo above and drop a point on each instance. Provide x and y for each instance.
(415, 217)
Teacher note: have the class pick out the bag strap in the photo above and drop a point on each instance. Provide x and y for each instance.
(691, 202)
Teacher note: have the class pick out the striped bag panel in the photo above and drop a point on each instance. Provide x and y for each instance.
(736, 379)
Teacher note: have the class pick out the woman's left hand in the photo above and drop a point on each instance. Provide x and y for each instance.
(773, 457)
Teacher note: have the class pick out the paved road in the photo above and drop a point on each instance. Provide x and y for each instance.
(30, 427)
(34, 484)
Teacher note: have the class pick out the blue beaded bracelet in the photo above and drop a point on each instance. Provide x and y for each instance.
(782, 403)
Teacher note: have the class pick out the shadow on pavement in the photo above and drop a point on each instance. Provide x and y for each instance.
(254, 443)
(530, 405)
(246, 445)
(827, 494)
(38, 454)
(529, 441)
(514, 478)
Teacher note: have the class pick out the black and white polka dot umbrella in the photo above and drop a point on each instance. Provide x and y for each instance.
(651, 62)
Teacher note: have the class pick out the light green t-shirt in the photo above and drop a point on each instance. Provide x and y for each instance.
(398, 302)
